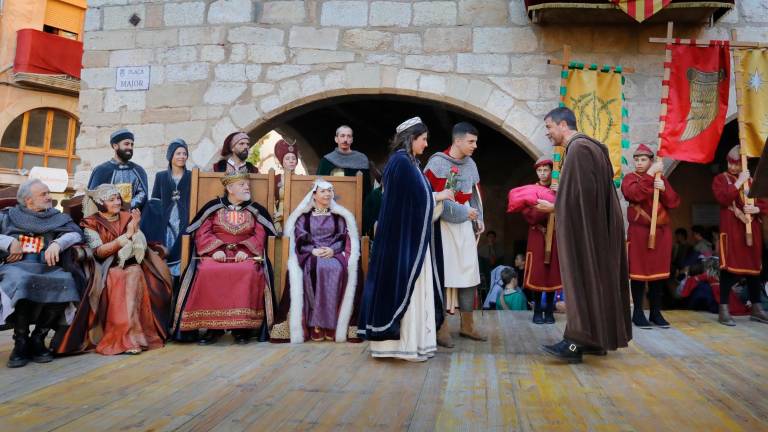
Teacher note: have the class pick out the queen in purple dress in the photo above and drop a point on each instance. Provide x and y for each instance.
(320, 296)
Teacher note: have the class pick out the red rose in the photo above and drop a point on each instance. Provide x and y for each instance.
(454, 169)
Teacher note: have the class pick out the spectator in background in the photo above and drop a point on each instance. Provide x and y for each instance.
(701, 245)
(519, 266)
(511, 297)
(680, 250)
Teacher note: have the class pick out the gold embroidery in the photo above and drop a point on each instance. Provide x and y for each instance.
(250, 313)
(221, 324)
(126, 191)
(235, 221)
(215, 244)
(281, 331)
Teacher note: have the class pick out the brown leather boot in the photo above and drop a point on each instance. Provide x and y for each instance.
(724, 317)
(468, 327)
(758, 314)
(444, 338)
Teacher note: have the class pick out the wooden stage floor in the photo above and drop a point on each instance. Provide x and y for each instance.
(697, 376)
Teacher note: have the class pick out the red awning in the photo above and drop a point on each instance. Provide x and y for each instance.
(45, 53)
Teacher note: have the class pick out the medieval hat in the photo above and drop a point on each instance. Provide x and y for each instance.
(543, 160)
(734, 156)
(407, 124)
(173, 146)
(119, 135)
(233, 178)
(282, 148)
(230, 140)
(96, 197)
(643, 150)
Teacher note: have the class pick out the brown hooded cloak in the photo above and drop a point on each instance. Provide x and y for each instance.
(590, 241)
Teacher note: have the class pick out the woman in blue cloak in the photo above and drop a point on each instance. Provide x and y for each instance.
(402, 305)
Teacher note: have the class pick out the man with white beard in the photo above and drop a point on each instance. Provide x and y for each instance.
(228, 284)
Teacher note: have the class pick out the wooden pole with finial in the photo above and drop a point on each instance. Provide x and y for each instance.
(662, 123)
(742, 137)
(557, 157)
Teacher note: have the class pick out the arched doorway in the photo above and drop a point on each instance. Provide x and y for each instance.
(502, 160)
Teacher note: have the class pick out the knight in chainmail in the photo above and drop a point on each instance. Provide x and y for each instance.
(460, 222)
(35, 289)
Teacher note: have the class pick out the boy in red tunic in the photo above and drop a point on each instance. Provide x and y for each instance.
(737, 259)
(648, 265)
(540, 277)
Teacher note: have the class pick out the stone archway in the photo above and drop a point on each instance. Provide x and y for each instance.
(504, 156)
(271, 119)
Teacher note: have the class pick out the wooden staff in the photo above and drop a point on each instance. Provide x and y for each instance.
(662, 123)
(742, 137)
(558, 152)
(556, 157)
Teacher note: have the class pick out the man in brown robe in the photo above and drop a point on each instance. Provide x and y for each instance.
(590, 241)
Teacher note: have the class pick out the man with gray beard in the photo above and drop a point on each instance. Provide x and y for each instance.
(35, 289)
(228, 284)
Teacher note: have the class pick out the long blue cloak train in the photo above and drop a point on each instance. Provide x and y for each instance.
(405, 232)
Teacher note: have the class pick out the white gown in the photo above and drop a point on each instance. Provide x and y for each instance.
(418, 335)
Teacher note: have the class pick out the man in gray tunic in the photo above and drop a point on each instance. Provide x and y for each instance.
(343, 161)
(460, 223)
(34, 287)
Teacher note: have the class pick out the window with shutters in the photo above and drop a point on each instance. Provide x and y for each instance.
(40, 137)
(65, 18)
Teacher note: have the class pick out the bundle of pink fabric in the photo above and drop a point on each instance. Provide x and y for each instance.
(527, 196)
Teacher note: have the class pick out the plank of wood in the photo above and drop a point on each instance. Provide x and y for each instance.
(699, 375)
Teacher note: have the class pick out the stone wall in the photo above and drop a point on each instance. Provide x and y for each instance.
(223, 65)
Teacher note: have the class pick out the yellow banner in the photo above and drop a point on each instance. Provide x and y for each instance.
(595, 98)
(753, 104)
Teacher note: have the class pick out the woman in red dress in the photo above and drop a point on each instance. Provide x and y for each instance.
(126, 307)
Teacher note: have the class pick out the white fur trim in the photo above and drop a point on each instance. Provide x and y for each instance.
(345, 311)
(296, 274)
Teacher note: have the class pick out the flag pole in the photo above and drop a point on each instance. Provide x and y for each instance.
(557, 155)
(742, 134)
(662, 123)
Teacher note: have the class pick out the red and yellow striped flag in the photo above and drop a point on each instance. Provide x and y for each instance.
(641, 10)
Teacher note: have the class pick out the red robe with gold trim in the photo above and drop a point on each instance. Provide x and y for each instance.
(227, 295)
(648, 264)
(538, 275)
(735, 255)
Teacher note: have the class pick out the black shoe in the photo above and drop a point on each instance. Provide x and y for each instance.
(538, 318)
(210, 337)
(188, 336)
(565, 351)
(638, 319)
(241, 337)
(593, 350)
(38, 351)
(549, 318)
(657, 319)
(20, 354)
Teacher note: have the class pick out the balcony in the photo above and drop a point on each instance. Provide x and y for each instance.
(47, 61)
(607, 12)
